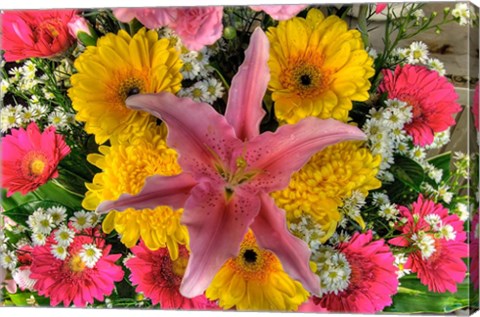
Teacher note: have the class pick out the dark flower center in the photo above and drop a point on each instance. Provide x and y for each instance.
(133, 91)
(305, 80)
(250, 256)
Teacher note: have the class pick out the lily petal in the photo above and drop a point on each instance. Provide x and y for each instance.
(271, 232)
(201, 136)
(276, 156)
(158, 190)
(244, 108)
(216, 227)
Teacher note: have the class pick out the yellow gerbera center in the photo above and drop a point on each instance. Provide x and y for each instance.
(305, 76)
(34, 164)
(255, 280)
(119, 66)
(76, 264)
(318, 67)
(125, 166)
(330, 176)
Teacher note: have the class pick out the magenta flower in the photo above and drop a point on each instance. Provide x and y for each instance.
(280, 12)
(380, 6)
(229, 169)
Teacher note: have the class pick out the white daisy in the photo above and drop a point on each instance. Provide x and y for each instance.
(418, 53)
(215, 90)
(58, 214)
(434, 221)
(8, 260)
(379, 199)
(191, 66)
(425, 243)
(64, 236)
(461, 13)
(462, 211)
(90, 254)
(44, 224)
(388, 211)
(59, 251)
(38, 111)
(400, 261)
(39, 239)
(81, 220)
(447, 232)
(436, 65)
(58, 119)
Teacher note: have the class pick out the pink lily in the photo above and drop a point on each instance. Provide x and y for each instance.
(229, 169)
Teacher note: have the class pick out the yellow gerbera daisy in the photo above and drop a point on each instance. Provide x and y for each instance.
(125, 166)
(255, 280)
(317, 68)
(118, 67)
(330, 176)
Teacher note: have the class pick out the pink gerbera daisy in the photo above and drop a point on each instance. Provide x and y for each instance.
(432, 98)
(474, 249)
(86, 272)
(437, 240)
(372, 281)
(30, 158)
(159, 278)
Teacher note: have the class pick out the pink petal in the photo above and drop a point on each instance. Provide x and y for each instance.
(275, 156)
(280, 12)
(380, 7)
(244, 111)
(202, 137)
(158, 191)
(216, 228)
(271, 232)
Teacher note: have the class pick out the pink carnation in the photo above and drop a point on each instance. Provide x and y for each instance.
(70, 280)
(36, 33)
(30, 158)
(280, 12)
(152, 18)
(441, 269)
(474, 251)
(159, 278)
(432, 98)
(198, 26)
(373, 279)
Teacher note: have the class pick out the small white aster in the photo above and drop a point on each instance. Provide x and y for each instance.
(389, 211)
(39, 239)
(81, 220)
(379, 199)
(462, 13)
(400, 261)
(425, 243)
(448, 233)
(445, 194)
(45, 224)
(58, 119)
(418, 53)
(64, 236)
(38, 111)
(434, 221)
(436, 65)
(59, 251)
(90, 255)
(8, 260)
(58, 214)
(417, 153)
(462, 211)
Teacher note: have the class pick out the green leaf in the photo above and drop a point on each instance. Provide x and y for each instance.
(442, 161)
(414, 297)
(20, 299)
(21, 213)
(86, 39)
(408, 172)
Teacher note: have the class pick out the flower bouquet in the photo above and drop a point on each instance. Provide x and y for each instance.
(312, 158)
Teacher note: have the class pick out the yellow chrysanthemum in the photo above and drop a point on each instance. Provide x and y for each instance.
(125, 166)
(255, 280)
(317, 68)
(330, 176)
(118, 67)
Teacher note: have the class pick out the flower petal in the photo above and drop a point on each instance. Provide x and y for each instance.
(216, 228)
(244, 110)
(201, 136)
(275, 156)
(271, 232)
(158, 190)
